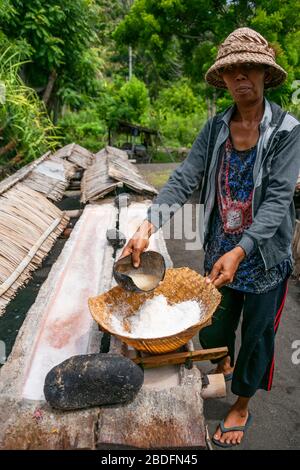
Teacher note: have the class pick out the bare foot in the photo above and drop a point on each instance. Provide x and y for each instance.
(235, 417)
(224, 367)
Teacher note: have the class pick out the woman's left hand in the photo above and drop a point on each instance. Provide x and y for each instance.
(224, 269)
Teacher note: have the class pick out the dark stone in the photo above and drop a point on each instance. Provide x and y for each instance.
(92, 380)
(116, 238)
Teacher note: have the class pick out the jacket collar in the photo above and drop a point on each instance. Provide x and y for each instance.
(265, 121)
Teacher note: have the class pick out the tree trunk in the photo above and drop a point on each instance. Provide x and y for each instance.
(8, 147)
(49, 87)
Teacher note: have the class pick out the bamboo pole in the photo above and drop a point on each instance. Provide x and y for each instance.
(25, 262)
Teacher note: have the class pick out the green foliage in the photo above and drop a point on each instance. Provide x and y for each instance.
(58, 35)
(133, 100)
(178, 130)
(84, 127)
(24, 124)
(178, 114)
(199, 26)
(89, 123)
(84, 45)
(178, 97)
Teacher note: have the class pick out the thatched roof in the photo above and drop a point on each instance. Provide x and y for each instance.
(96, 182)
(21, 174)
(122, 170)
(76, 154)
(51, 177)
(111, 169)
(48, 175)
(29, 226)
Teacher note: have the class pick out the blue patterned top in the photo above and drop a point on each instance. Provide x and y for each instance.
(251, 275)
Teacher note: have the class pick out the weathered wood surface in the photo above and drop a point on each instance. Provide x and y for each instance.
(67, 321)
(117, 152)
(81, 156)
(74, 213)
(35, 426)
(70, 168)
(168, 410)
(48, 184)
(64, 152)
(29, 226)
(216, 388)
(168, 418)
(167, 413)
(57, 326)
(180, 357)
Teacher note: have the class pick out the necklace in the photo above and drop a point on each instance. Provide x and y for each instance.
(236, 215)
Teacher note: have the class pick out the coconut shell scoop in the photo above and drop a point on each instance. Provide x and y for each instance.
(146, 277)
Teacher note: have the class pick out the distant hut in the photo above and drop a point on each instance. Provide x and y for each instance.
(140, 141)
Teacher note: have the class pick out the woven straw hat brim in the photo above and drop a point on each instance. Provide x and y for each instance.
(214, 78)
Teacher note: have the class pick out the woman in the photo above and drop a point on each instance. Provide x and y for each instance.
(247, 159)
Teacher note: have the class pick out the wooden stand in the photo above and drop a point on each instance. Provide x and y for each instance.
(179, 357)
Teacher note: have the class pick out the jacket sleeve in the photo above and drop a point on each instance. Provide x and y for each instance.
(182, 182)
(279, 194)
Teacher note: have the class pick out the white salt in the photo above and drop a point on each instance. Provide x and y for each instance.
(156, 318)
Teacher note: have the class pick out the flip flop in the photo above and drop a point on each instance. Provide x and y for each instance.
(234, 428)
(228, 377)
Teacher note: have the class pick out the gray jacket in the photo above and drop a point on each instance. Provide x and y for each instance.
(275, 175)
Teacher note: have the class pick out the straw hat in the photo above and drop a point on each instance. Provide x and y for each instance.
(245, 45)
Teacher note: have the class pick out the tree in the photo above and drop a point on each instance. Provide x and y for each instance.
(25, 129)
(58, 38)
(197, 27)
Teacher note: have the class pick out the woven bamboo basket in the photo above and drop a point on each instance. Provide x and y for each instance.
(179, 285)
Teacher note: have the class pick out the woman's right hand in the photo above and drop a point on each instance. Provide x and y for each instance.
(138, 243)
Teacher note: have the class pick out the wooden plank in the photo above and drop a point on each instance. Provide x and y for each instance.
(75, 154)
(216, 387)
(181, 357)
(71, 193)
(49, 175)
(65, 151)
(171, 418)
(67, 320)
(117, 152)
